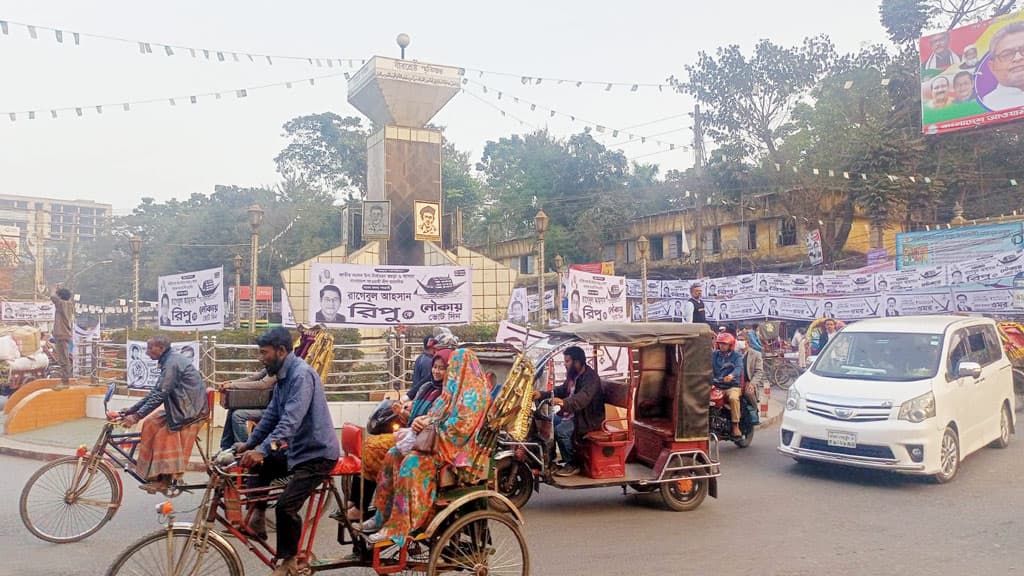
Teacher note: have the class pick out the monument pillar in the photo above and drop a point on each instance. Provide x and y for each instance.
(403, 158)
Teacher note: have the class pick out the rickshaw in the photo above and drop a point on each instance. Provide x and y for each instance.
(655, 436)
(473, 529)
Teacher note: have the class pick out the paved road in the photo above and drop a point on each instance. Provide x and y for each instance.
(773, 517)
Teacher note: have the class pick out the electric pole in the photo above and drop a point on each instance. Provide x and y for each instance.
(698, 170)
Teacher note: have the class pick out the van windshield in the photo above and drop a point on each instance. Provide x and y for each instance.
(882, 356)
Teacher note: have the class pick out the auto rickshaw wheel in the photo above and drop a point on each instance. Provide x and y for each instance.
(515, 482)
(683, 493)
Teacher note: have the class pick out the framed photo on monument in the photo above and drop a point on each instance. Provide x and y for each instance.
(428, 220)
(376, 219)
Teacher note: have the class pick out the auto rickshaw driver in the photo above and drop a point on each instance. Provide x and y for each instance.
(726, 371)
(582, 407)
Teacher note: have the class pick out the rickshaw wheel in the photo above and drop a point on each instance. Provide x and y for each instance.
(153, 554)
(515, 482)
(683, 494)
(481, 543)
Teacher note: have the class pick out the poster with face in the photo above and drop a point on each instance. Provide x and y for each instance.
(517, 306)
(376, 219)
(911, 304)
(428, 220)
(192, 301)
(735, 309)
(906, 280)
(654, 289)
(729, 286)
(849, 308)
(596, 297)
(986, 270)
(634, 288)
(985, 301)
(847, 283)
(792, 307)
(143, 372)
(784, 284)
(549, 301)
(676, 288)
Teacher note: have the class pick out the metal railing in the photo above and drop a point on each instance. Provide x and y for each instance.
(374, 365)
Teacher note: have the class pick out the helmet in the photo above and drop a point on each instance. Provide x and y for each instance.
(725, 338)
(382, 419)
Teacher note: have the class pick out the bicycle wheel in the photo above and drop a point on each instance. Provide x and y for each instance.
(61, 503)
(482, 542)
(155, 556)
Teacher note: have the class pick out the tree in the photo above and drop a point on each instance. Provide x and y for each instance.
(325, 152)
(748, 101)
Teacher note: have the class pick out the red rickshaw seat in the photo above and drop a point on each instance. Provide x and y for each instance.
(352, 450)
(660, 426)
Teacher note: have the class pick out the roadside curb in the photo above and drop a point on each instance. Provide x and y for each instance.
(769, 421)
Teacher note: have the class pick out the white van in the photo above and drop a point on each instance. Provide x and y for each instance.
(912, 394)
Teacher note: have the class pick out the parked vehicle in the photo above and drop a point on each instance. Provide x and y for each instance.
(913, 394)
(655, 436)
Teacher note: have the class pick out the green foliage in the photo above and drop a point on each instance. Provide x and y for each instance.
(326, 152)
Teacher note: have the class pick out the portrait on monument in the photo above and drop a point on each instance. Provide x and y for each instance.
(376, 219)
(428, 220)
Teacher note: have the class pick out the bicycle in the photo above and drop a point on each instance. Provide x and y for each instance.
(464, 536)
(779, 370)
(71, 498)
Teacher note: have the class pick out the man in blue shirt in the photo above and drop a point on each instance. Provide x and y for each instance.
(421, 369)
(296, 436)
(726, 374)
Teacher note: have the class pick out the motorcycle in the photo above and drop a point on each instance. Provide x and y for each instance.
(720, 415)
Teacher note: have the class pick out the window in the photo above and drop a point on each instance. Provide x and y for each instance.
(751, 236)
(631, 252)
(889, 356)
(957, 354)
(657, 248)
(609, 252)
(980, 351)
(787, 232)
(713, 239)
(526, 264)
(675, 245)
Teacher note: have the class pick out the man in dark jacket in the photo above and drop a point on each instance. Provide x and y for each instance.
(167, 437)
(582, 407)
(421, 369)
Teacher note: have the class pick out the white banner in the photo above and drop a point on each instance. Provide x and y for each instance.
(988, 301)
(27, 311)
(549, 300)
(987, 269)
(846, 284)
(287, 316)
(654, 289)
(612, 361)
(596, 297)
(783, 284)
(143, 373)
(848, 308)
(791, 307)
(913, 304)
(913, 279)
(676, 288)
(735, 309)
(517, 306)
(729, 286)
(192, 301)
(353, 294)
(634, 288)
(814, 253)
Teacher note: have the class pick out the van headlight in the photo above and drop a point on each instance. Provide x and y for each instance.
(919, 409)
(794, 400)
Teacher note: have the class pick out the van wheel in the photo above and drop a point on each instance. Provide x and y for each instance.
(1004, 428)
(949, 457)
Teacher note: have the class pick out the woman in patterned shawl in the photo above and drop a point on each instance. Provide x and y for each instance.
(407, 485)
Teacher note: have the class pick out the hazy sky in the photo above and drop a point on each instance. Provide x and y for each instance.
(162, 151)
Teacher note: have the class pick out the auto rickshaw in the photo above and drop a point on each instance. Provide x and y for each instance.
(655, 436)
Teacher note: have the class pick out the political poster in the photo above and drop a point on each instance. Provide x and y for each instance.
(27, 311)
(517, 306)
(955, 245)
(287, 316)
(143, 373)
(192, 301)
(847, 284)
(654, 289)
(634, 287)
(913, 304)
(596, 297)
(549, 301)
(791, 307)
(784, 284)
(848, 308)
(970, 76)
(987, 269)
(735, 309)
(814, 252)
(366, 295)
(985, 301)
(81, 349)
(917, 278)
(612, 361)
(676, 288)
(516, 334)
(730, 286)
(10, 251)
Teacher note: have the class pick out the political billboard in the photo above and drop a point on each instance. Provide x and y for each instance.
(973, 76)
(957, 245)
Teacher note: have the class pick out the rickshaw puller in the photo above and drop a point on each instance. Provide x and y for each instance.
(728, 380)
(582, 407)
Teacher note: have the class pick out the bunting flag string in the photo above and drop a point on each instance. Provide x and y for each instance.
(194, 98)
(599, 128)
(210, 54)
(833, 173)
(545, 80)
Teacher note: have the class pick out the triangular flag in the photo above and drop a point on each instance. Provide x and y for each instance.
(330, 63)
(169, 51)
(13, 116)
(319, 64)
(172, 102)
(269, 61)
(911, 178)
(927, 180)
(533, 107)
(634, 88)
(31, 115)
(312, 81)
(524, 80)
(289, 84)
(126, 107)
(220, 56)
(53, 113)
(4, 27)
(615, 133)
(578, 84)
(572, 118)
(552, 113)
(142, 47)
(499, 95)
(32, 32)
(863, 176)
(539, 80)
(831, 173)
(347, 76)
(59, 35)
(1013, 182)
(643, 140)
(503, 113)
(608, 88)
(77, 37)
(149, 48)
(99, 109)
(193, 99)
(192, 51)
(671, 146)
(846, 175)
(251, 58)
(206, 54)
(814, 171)
(778, 168)
(78, 110)
(235, 56)
(515, 99)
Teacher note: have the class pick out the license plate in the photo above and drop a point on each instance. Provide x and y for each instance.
(842, 439)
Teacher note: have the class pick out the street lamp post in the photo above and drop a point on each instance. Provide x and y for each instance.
(255, 219)
(237, 304)
(540, 222)
(642, 246)
(136, 243)
(559, 262)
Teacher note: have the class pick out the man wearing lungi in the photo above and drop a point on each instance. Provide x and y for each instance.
(168, 434)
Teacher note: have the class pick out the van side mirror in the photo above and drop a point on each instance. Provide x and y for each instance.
(968, 369)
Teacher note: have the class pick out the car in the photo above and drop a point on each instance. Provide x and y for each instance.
(911, 394)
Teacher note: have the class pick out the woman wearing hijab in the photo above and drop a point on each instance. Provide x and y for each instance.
(377, 446)
(407, 485)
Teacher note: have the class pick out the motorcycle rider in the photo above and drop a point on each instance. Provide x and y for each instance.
(726, 372)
